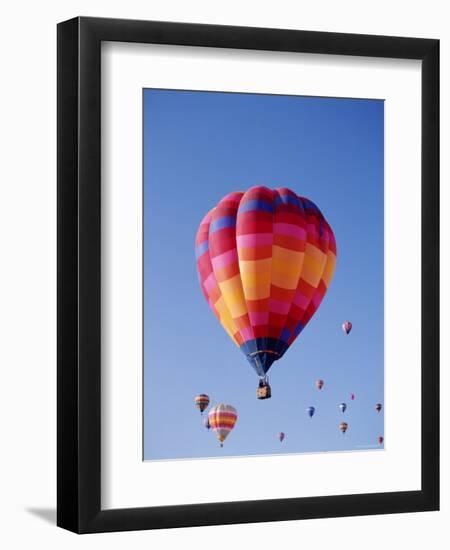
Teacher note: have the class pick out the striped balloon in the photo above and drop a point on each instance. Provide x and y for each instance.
(265, 260)
(201, 402)
(222, 419)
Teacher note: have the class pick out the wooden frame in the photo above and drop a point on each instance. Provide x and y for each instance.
(79, 277)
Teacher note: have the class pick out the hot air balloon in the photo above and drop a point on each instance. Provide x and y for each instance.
(343, 427)
(310, 411)
(201, 402)
(281, 436)
(222, 419)
(343, 407)
(380, 439)
(265, 260)
(352, 396)
(378, 407)
(319, 384)
(347, 327)
(207, 424)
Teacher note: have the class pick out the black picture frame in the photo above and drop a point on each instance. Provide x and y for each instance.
(79, 276)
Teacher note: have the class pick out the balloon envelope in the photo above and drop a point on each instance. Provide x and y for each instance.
(207, 424)
(343, 427)
(201, 402)
(347, 327)
(310, 411)
(352, 396)
(222, 419)
(380, 440)
(281, 436)
(265, 259)
(343, 407)
(319, 384)
(378, 407)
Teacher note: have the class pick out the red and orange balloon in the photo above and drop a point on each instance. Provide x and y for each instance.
(265, 260)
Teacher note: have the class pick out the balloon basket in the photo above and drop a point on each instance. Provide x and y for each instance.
(263, 391)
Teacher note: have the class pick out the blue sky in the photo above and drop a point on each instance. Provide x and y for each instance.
(199, 146)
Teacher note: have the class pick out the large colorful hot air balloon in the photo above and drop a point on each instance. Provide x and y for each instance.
(201, 402)
(378, 407)
(319, 384)
(281, 436)
(347, 327)
(222, 419)
(343, 427)
(343, 407)
(265, 260)
(310, 411)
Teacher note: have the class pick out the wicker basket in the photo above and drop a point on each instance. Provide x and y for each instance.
(263, 392)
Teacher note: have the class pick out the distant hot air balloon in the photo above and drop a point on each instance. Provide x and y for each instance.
(207, 424)
(378, 407)
(352, 396)
(380, 439)
(201, 402)
(343, 407)
(319, 384)
(347, 327)
(310, 411)
(343, 427)
(281, 436)
(265, 260)
(222, 419)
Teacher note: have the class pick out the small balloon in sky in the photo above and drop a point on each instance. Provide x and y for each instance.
(343, 427)
(343, 407)
(206, 423)
(352, 396)
(378, 407)
(319, 384)
(201, 402)
(222, 419)
(347, 327)
(380, 439)
(310, 411)
(281, 436)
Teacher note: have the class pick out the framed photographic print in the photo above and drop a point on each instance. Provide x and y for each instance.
(248, 288)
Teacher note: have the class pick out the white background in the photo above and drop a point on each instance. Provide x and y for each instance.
(28, 271)
(127, 481)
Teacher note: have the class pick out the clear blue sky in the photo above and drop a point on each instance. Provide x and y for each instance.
(199, 146)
